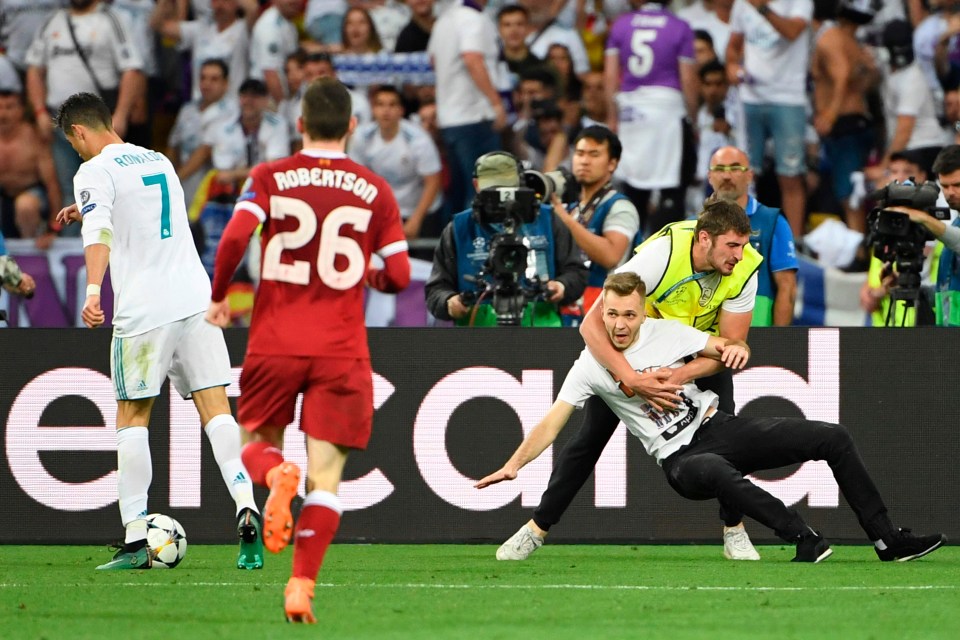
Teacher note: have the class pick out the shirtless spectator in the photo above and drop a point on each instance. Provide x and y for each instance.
(28, 181)
(843, 71)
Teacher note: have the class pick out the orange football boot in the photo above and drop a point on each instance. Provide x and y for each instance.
(284, 482)
(298, 601)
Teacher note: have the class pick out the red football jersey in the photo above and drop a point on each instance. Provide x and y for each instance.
(323, 215)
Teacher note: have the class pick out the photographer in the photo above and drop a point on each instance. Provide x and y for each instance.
(604, 223)
(947, 291)
(465, 251)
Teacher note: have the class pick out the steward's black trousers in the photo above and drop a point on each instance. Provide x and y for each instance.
(580, 455)
(727, 448)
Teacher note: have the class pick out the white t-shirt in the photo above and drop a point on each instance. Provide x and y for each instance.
(555, 34)
(402, 162)
(651, 265)
(105, 41)
(274, 38)
(232, 45)
(906, 93)
(660, 343)
(19, 22)
(461, 29)
(155, 271)
(230, 144)
(776, 68)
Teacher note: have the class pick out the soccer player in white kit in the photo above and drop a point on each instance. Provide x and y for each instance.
(134, 218)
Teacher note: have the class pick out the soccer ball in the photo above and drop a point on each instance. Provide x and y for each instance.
(167, 540)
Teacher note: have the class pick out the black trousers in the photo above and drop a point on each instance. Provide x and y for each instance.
(580, 455)
(727, 448)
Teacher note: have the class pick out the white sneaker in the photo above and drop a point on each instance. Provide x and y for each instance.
(737, 545)
(520, 545)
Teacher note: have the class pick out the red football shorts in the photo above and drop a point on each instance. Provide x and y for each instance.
(337, 396)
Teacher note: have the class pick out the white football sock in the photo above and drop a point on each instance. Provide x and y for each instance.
(224, 435)
(134, 474)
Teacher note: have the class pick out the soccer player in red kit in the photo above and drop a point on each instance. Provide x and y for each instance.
(323, 215)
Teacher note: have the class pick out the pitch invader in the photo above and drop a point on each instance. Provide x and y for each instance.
(651, 83)
(134, 218)
(322, 217)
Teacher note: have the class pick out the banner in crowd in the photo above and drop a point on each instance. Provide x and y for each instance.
(61, 285)
(451, 406)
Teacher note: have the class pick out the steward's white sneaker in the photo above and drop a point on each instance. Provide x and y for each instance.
(737, 545)
(520, 545)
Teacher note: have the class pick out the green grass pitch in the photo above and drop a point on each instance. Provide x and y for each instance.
(460, 591)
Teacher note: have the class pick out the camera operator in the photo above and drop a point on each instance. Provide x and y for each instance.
(11, 278)
(604, 223)
(947, 291)
(465, 249)
(881, 277)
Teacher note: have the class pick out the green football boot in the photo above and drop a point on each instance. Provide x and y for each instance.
(249, 529)
(135, 555)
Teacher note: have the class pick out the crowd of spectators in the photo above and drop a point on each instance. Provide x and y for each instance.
(825, 95)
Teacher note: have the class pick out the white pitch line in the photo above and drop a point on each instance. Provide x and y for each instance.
(561, 587)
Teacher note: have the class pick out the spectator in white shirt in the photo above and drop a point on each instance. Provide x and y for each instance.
(274, 37)
(404, 154)
(193, 130)
(465, 53)
(224, 37)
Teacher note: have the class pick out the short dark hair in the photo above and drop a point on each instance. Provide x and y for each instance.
(513, 8)
(948, 160)
(712, 66)
(254, 86)
(540, 73)
(625, 283)
(87, 109)
(600, 134)
(327, 109)
(701, 34)
(318, 56)
(385, 88)
(721, 216)
(217, 62)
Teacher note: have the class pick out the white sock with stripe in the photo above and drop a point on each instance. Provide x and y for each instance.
(224, 435)
(134, 474)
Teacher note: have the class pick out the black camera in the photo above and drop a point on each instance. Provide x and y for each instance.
(560, 182)
(894, 238)
(505, 276)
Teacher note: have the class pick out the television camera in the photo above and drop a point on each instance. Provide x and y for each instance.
(507, 275)
(897, 240)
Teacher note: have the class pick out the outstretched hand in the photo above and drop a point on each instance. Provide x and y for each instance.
(733, 356)
(69, 214)
(499, 475)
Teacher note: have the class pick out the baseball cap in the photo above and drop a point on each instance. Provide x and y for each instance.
(497, 169)
(254, 86)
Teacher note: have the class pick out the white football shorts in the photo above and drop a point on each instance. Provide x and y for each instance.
(192, 352)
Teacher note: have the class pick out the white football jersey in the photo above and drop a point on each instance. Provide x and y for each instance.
(662, 343)
(134, 194)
